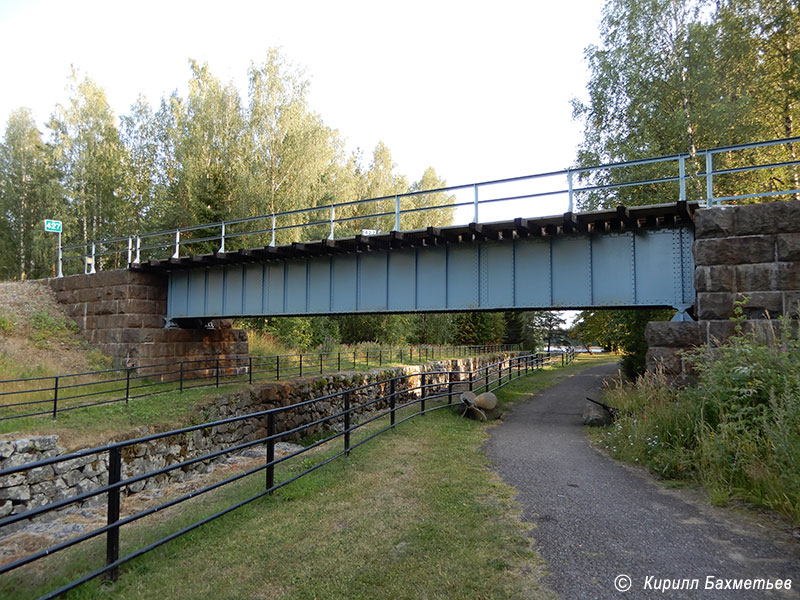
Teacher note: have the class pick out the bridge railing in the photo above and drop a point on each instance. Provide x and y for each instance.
(386, 403)
(737, 173)
(57, 394)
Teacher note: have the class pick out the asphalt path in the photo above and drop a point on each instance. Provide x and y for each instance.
(598, 520)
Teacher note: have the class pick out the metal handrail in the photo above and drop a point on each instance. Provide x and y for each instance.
(384, 404)
(129, 383)
(174, 240)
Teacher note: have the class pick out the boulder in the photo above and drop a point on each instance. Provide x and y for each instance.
(595, 415)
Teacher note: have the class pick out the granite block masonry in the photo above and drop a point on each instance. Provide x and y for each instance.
(123, 314)
(748, 253)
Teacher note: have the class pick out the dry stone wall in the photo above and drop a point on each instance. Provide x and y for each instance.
(123, 313)
(23, 491)
(748, 254)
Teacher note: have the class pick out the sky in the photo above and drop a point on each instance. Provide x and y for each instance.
(478, 90)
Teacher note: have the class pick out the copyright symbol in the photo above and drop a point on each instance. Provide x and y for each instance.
(622, 583)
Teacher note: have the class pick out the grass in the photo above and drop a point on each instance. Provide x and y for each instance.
(415, 513)
(736, 432)
(169, 408)
(96, 425)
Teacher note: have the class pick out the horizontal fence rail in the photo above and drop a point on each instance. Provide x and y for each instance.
(49, 396)
(397, 399)
(711, 176)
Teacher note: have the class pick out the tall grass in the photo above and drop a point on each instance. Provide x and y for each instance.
(736, 432)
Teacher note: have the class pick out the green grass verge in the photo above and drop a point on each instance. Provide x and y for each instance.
(415, 513)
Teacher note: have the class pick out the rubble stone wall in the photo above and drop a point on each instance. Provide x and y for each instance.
(44, 485)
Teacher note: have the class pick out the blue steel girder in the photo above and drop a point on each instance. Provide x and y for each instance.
(641, 268)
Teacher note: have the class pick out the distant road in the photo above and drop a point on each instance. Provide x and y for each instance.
(597, 519)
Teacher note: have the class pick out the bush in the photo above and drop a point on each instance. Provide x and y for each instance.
(737, 431)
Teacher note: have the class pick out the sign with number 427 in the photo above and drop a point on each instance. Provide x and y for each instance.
(53, 226)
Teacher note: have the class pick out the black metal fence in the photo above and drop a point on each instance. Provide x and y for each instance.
(38, 396)
(391, 399)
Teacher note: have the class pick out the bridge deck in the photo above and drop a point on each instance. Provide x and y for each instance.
(621, 219)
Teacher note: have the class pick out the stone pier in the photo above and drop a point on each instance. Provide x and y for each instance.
(742, 252)
(123, 314)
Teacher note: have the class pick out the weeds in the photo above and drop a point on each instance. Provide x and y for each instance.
(6, 324)
(737, 432)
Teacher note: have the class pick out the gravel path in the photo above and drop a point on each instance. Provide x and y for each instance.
(596, 519)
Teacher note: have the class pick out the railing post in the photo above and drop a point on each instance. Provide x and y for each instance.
(270, 451)
(354, 360)
(127, 384)
(347, 423)
(217, 374)
(112, 535)
(487, 378)
(380, 356)
(396, 212)
(93, 268)
(320, 363)
(181, 377)
(272, 242)
(136, 258)
(367, 359)
(338, 361)
(250, 368)
(301, 364)
(277, 368)
(392, 387)
(333, 220)
(130, 249)
(476, 204)
(55, 396)
(709, 179)
(682, 175)
(222, 238)
(571, 204)
(177, 252)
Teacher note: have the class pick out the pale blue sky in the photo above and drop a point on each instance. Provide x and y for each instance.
(479, 90)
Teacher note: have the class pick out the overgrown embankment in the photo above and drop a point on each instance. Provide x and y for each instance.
(37, 338)
(736, 432)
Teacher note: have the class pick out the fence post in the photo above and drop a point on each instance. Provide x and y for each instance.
(380, 356)
(250, 368)
(391, 401)
(181, 377)
(347, 423)
(277, 367)
(450, 387)
(320, 363)
(127, 384)
(367, 359)
(217, 374)
(270, 451)
(354, 360)
(112, 535)
(55, 396)
(338, 361)
(487, 378)
(422, 393)
(301, 364)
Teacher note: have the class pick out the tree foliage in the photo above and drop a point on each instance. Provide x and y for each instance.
(201, 157)
(677, 76)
